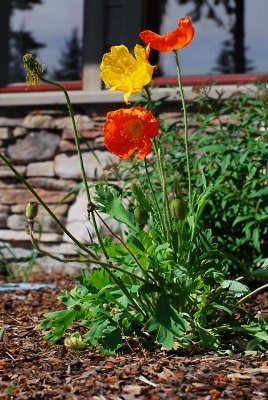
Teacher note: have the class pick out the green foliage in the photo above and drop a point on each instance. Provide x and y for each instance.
(228, 154)
(185, 301)
(110, 202)
(235, 130)
(169, 281)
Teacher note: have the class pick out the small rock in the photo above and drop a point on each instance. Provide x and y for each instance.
(52, 184)
(81, 121)
(38, 121)
(44, 168)
(17, 222)
(5, 133)
(11, 196)
(19, 131)
(67, 145)
(68, 166)
(85, 133)
(18, 236)
(11, 122)
(5, 172)
(4, 209)
(3, 220)
(58, 209)
(62, 249)
(36, 146)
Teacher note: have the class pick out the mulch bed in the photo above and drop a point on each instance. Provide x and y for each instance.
(30, 369)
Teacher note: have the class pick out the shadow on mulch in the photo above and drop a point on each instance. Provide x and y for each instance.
(30, 369)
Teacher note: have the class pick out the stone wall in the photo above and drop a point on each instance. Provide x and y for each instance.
(41, 146)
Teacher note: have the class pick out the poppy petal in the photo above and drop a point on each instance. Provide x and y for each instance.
(172, 40)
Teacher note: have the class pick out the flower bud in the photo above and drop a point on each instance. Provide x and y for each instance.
(31, 210)
(178, 209)
(75, 342)
(34, 69)
(141, 215)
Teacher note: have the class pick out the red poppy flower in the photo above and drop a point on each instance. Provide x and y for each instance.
(173, 40)
(127, 130)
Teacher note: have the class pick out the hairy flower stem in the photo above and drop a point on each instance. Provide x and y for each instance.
(186, 138)
(125, 246)
(46, 207)
(71, 113)
(251, 294)
(167, 224)
(153, 193)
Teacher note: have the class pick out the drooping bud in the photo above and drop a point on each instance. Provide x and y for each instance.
(34, 69)
(178, 209)
(31, 210)
(141, 215)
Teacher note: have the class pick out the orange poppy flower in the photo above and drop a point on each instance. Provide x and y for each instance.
(173, 40)
(127, 130)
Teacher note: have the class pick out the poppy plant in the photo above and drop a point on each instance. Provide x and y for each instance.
(120, 70)
(127, 130)
(173, 40)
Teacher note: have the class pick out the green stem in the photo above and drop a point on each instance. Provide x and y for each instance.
(124, 245)
(153, 193)
(46, 207)
(167, 224)
(165, 196)
(71, 113)
(186, 139)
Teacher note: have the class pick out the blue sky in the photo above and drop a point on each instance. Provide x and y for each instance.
(53, 25)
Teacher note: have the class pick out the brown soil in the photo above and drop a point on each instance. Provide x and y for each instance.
(30, 369)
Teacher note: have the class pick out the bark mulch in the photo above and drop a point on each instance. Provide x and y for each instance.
(30, 369)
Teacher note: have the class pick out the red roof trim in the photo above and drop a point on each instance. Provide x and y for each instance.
(205, 79)
(161, 81)
(22, 87)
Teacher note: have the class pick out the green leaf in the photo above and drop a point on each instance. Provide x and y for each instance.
(111, 339)
(262, 336)
(208, 338)
(221, 307)
(256, 239)
(259, 193)
(168, 323)
(141, 197)
(215, 148)
(56, 323)
(262, 272)
(110, 202)
(98, 326)
(238, 288)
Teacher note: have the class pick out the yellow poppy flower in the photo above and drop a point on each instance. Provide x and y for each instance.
(120, 70)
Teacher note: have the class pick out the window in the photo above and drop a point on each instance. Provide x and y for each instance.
(55, 29)
(50, 30)
(231, 36)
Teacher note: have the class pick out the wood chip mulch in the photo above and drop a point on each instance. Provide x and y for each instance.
(30, 369)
